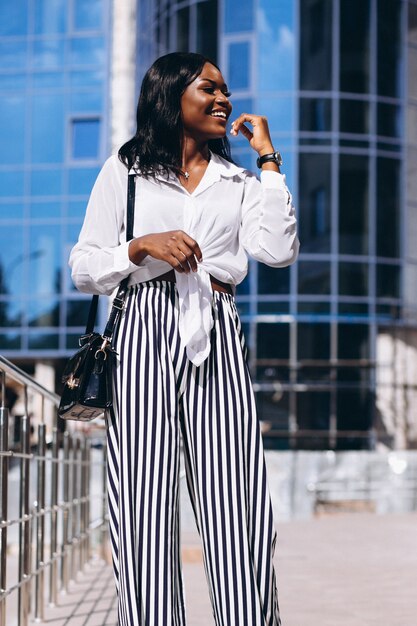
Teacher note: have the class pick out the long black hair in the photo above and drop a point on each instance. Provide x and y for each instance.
(157, 142)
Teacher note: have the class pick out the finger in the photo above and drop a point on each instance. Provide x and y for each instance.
(245, 131)
(191, 243)
(187, 257)
(176, 264)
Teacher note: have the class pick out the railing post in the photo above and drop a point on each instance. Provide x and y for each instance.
(24, 527)
(65, 494)
(40, 524)
(4, 466)
(88, 501)
(82, 503)
(53, 587)
(85, 509)
(103, 546)
(75, 509)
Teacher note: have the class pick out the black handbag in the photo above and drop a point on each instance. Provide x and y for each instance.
(88, 375)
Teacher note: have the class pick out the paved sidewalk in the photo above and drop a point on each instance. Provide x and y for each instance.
(346, 570)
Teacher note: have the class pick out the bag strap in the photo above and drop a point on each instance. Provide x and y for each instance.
(118, 301)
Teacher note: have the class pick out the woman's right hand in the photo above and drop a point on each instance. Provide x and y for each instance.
(175, 247)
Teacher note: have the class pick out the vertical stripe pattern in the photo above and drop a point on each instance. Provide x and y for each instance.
(161, 396)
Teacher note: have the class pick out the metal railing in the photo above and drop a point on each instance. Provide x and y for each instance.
(62, 504)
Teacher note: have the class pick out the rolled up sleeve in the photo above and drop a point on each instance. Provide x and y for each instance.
(99, 261)
(269, 225)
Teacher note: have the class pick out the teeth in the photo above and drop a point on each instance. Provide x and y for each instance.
(219, 114)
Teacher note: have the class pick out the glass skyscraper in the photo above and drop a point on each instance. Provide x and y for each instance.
(54, 57)
(332, 339)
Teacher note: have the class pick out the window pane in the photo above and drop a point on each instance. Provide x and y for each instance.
(10, 341)
(273, 280)
(45, 254)
(87, 14)
(81, 181)
(387, 281)
(388, 207)
(44, 209)
(13, 17)
(11, 183)
(87, 51)
(13, 54)
(354, 116)
(46, 182)
(77, 312)
(353, 279)
(183, 29)
(315, 114)
(207, 29)
(43, 341)
(389, 48)
(316, 44)
(12, 258)
(45, 80)
(313, 413)
(48, 128)
(313, 277)
(43, 313)
(238, 15)
(354, 412)
(353, 341)
(85, 139)
(86, 102)
(48, 54)
(239, 65)
(354, 46)
(12, 129)
(313, 341)
(276, 41)
(273, 341)
(314, 202)
(389, 120)
(50, 16)
(87, 78)
(11, 210)
(280, 113)
(353, 204)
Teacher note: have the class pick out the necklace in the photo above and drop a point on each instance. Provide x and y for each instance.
(187, 172)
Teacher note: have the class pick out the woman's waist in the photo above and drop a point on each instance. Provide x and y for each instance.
(216, 284)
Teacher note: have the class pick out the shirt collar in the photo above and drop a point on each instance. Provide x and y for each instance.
(218, 167)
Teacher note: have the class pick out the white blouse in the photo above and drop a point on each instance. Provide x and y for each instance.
(231, 214)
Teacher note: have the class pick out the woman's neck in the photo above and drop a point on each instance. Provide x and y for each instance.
(194, 154)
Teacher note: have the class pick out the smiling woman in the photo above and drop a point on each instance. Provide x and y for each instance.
(182, 369)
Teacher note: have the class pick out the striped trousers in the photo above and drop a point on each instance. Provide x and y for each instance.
(159, 397)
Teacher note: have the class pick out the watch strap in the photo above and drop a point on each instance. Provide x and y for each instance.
(272, 157)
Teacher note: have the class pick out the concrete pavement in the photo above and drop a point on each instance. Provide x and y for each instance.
(341, 570)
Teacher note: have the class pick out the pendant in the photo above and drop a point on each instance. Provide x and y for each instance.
(186, 175)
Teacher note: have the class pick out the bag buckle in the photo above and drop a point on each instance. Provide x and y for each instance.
(118, 303)
(102, 349)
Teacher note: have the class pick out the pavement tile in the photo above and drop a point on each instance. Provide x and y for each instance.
(343, 570)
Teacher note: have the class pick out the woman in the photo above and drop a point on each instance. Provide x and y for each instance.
(182, 368)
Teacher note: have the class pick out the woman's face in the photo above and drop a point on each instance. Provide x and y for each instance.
(205, 105)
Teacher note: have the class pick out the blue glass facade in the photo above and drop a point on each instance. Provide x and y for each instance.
(54, 72)
(336, 80)
(329, 75)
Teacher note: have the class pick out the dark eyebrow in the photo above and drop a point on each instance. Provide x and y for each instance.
(213, 82)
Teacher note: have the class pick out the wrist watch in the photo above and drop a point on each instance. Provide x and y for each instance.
(275, 157)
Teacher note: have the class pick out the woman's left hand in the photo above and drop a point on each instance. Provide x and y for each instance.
(259, 138)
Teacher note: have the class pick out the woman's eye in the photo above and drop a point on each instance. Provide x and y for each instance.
(227, 94)
(209, 89)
